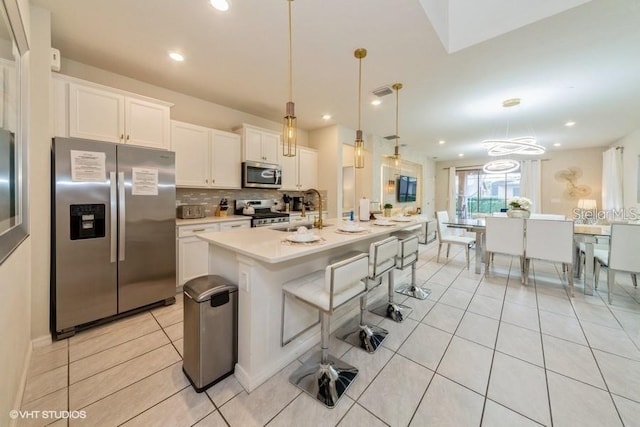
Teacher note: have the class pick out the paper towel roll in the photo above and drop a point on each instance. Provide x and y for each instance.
(364, 209)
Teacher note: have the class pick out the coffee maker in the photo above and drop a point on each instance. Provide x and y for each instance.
(298, 202)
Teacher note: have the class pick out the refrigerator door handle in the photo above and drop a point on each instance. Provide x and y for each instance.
(113, 216)
(122, 214)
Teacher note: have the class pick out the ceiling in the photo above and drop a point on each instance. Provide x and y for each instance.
(582, 64)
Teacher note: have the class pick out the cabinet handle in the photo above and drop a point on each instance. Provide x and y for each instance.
(128, 137)
(198, 230)
(206, 181)
(238, 225)
(213, 181)
(121, 136)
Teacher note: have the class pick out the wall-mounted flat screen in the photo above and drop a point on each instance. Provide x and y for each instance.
(407, 187)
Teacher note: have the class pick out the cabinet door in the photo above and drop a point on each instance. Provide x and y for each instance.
(193, 258)
(146, 123)
(289, 173)
(308, 168)
(234, 225)
(270, 147)
(225, 160)
(191, 144)
(253, 145)
(95, 114)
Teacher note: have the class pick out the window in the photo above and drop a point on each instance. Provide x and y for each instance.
(482, 193)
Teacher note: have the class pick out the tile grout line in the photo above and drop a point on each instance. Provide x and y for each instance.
(493, 355)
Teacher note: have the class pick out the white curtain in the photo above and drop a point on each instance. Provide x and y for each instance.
(531, 183)
(612, 179)
(453, 193)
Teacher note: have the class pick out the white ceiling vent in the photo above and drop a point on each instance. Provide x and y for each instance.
(382, 91)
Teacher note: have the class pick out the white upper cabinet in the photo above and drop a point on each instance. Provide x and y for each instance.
(300, 172)
(91, 111)
(191, 144)
(205, 157)
(226, 171)
(259, 145)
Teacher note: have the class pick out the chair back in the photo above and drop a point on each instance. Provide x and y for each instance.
(555, 217)
(549, 240)
(505, 235)
(625, 247)
(382, 256)
(345, 274)
(443, 230)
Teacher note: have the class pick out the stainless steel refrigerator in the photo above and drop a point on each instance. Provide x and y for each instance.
(113, 231)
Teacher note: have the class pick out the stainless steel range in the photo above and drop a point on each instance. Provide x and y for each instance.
(260, 212)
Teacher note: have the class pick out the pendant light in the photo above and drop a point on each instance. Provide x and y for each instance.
(359, 142)
(289, 130)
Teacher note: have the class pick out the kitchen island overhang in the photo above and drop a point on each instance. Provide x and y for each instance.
(259, 261)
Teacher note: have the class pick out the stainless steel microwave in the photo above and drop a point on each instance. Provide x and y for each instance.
(261, 175)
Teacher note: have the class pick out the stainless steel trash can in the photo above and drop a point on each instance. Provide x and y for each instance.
(210, 330)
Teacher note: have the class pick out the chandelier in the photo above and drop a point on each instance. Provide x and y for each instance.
(525, 145)
(501, 166)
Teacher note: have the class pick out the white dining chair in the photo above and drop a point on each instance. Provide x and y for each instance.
(550, 241)
(445, 236)
(504, 236)
(622, 255)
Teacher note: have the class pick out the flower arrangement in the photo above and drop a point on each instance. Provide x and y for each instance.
(519, 203)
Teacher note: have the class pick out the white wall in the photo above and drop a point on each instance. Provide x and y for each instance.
(631, 156)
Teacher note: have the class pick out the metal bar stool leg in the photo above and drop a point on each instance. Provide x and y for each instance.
(392, 310)
(323, 376)
(410, 289)
(364, 335)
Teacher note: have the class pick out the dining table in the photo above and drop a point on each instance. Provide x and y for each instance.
(585, 233)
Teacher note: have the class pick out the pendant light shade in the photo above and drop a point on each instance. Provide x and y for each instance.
(289, 129)
(358, 160)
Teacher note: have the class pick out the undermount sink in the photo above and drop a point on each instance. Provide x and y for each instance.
(293, 228)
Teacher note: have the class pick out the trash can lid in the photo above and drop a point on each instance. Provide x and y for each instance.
(203, 288)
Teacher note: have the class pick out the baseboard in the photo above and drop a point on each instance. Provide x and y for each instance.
(23, 382)
(42, 341)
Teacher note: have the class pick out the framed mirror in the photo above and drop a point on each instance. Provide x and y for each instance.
(14, 224)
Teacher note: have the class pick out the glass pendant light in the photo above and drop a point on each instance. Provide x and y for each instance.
(289, 130)
(359, 142)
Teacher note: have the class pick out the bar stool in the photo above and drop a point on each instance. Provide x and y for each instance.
(390, 309)
(381, 261)
(324, 376)
(408, 256)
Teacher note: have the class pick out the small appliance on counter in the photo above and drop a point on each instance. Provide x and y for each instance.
(298, 202)
(221, 209)
(190, 211)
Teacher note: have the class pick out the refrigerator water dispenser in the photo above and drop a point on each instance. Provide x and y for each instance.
(87, 221)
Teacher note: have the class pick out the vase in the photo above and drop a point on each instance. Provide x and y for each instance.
(518, 213)
(387, 212)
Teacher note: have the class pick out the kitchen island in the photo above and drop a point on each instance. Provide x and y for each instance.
(260, 260)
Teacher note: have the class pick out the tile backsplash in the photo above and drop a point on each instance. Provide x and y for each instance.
(210, 198)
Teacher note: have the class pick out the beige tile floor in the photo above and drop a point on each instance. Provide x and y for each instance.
(481, 350)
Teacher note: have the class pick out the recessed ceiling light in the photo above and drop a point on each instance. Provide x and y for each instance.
(557, 144)
(570, 124)
(221, 5)
(326, 117)
(461, 155)
(442, 141)
(376, 102)
(176, 56)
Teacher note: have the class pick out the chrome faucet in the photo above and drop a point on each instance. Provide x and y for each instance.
(317, 223)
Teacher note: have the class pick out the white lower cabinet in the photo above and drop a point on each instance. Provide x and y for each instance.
(193, 252)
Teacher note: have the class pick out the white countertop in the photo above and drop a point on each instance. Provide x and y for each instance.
(270, 246)
(212, 219)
